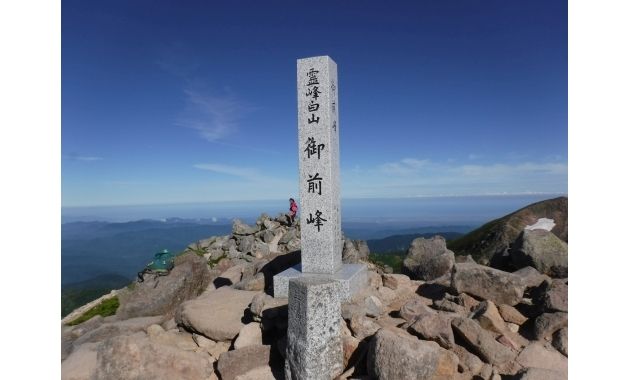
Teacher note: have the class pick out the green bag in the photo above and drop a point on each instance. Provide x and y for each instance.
(161, 265)
(162, 262)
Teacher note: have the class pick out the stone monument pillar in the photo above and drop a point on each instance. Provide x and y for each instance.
(320, 214)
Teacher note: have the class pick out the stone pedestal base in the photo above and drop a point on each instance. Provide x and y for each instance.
(314, 348)
(351, 277)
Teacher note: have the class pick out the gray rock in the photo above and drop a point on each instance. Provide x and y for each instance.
(542, 250)
(162, 295)
(363, 327)
(414, 308)
(271, 224)
(137, 357)
(532, 373)
(260, 249)
(489, 318)
(239, 362)
(482, 341)
(561, 341)
(81, 364)
(537, 355)
(556, 297)
(530, 277)
(268, 236)
(240, 228)
(354, 251)
(246, 244)
(468, 362)
(548, 323)
(288, 236)
(487, 283)
(217, 315)
(450, 306)
(428, 259)
(434, 327)
(394, 354)
(111, 329)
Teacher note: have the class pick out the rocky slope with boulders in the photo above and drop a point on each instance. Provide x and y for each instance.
(214, 316)
(489, 243)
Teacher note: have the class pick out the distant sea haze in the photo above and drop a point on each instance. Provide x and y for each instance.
(417, 211)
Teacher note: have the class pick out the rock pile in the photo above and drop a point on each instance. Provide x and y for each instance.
(216, 317)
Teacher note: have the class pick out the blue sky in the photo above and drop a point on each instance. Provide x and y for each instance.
(168, 102)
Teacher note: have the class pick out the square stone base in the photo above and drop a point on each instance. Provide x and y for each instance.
(352, 277)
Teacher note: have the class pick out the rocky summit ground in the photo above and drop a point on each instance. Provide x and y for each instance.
(447, 317)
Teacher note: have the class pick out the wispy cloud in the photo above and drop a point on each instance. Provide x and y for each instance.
(214, 117)
(403, 167)
(75, 157)
(412, 176)
(244, 173)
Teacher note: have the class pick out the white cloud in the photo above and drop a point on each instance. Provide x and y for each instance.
(245, 173)
(84, 158)
(403, 167)
(214, 117)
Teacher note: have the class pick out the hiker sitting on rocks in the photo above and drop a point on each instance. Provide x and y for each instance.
(293, 208)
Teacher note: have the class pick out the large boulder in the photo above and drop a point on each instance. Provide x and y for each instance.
(136, 357)
(539, 356)
(482, 342)
(81, 364)
(542, 250)
(487, 283)
(435, 327)
(428, 259)
(112, 329)
(162, 295)
(217, 315)
(548, 323)
(394, 354)
(240, 361)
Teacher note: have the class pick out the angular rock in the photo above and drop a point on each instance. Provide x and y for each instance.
(531, 277)
(260, 249)
(548, 323)
(561, 341)
(373, 306)
(468, 362)
(542, 250)
(250, 335)
(238, 362)
(162, 295)
(246, 244)
(363, 327)
(414, 308)
(482, 341)
(434, 327)
(350, 346)
(393, 281)
(536, 355)
(230, 277)
(511, 315)
(556, 297)
(240, 228)
(393, 354)
(487, 283)
(428, 259)
(136, 357)
(450, 306)
(217, 315)
(489, 318)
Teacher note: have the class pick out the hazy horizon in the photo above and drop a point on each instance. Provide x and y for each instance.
(415, 210)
